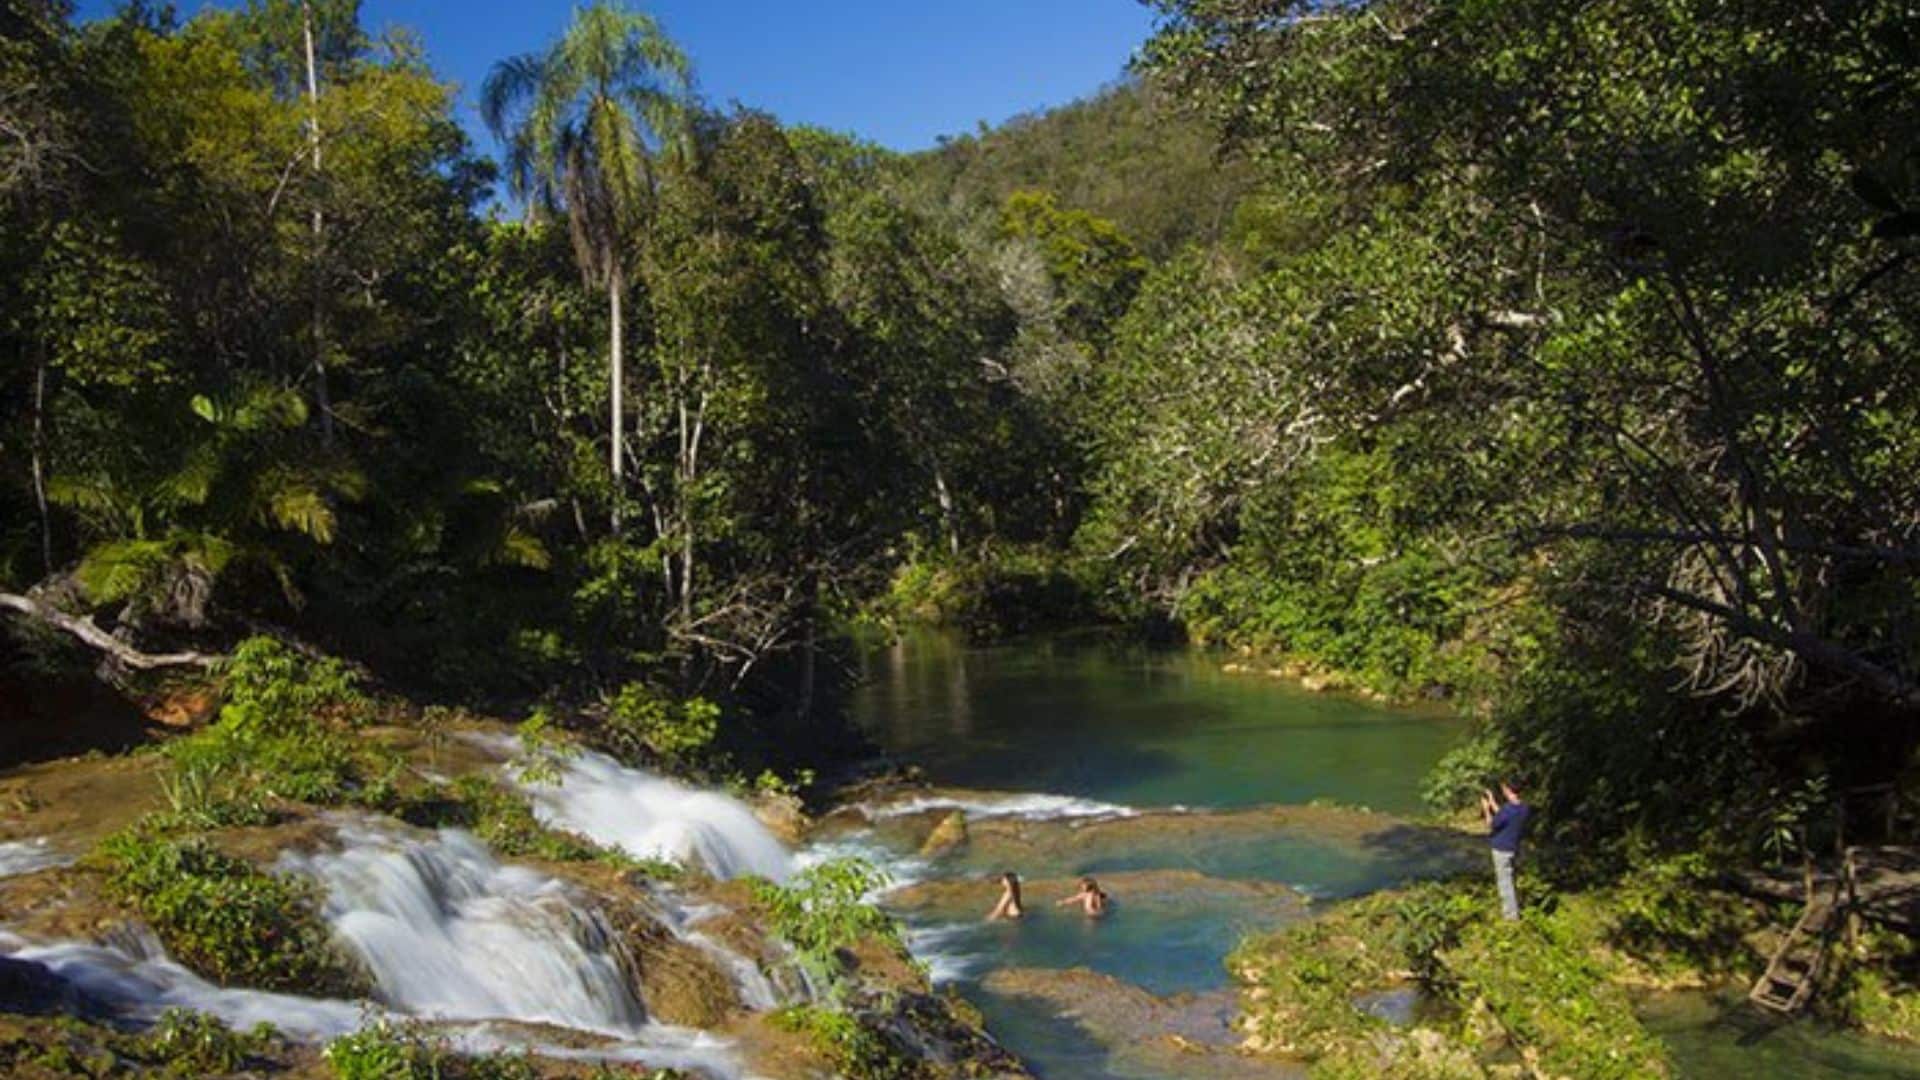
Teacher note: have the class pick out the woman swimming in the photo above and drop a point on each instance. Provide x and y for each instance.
(1009, 905)
(1090, 898)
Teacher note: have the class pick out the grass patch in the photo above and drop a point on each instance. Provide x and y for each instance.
(224, 918)
(285, 731)
(1546, 991)
(385, 1050)
(856, 1051)
(182, 1043)
(187, 1043)
(1878, 987)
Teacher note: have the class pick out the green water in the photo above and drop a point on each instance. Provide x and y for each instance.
(1153, 730)
(1711, 1037)
(1139, 726)
(1150, 730)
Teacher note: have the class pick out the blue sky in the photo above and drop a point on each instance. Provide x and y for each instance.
(899, 72)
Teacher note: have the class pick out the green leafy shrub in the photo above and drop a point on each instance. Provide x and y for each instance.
(998, 591)
(1429, 921)
(856, 1051)
(271, 689)
(1456, 781)
(224, 918)
(823, 911)
(1667, 914)
(192, 1044)
(642, 723)
(199, 797)
(283, 732)
(1547, 984)
(544, 752)
(1550, 990)
(384, 1050)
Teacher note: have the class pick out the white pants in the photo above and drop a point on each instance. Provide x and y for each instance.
(1503, 874)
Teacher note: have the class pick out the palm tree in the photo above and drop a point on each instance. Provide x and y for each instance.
(583, 124)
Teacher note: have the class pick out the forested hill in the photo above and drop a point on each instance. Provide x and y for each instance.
(1559, 364)
(1129, 154)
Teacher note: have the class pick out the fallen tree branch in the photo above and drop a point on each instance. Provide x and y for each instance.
(88, 632)
(1723, 539)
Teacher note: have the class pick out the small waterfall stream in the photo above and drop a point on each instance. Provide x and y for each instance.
(135, 980)
(649, 816)
(451, 934)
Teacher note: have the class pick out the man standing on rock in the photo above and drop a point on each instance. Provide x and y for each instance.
(1504, 826)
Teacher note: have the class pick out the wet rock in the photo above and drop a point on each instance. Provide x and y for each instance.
(681, 985)
(783, 816)
(1188, 1035)
(32, 989)
(940, 1033)
(948, 836)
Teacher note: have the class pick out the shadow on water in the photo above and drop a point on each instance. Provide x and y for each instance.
(1720, 1036)
(1424, 852)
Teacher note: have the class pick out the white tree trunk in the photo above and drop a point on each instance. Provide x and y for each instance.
(325, 399)
(616, 284)
(39, 459)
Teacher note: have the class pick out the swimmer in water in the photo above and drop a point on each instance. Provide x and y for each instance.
(1090, 898)
(1009, 905)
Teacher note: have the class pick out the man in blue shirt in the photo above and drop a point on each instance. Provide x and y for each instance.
(1505, 823)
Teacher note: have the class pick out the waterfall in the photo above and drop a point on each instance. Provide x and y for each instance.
(756, 990)
(450, 933)
(138, 982)
(651, 817)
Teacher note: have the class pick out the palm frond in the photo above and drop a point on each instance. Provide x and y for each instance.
(518, 547)
(291, 499)
(89, 494)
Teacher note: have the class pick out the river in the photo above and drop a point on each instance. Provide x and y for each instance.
(1187, 790)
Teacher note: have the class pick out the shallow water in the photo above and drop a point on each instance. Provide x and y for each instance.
(1085, 748)
(1116, 760)
(1715, 1037)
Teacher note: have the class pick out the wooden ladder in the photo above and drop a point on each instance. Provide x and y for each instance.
(1797, 964)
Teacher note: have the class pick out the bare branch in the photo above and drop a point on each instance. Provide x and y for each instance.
(88, 632)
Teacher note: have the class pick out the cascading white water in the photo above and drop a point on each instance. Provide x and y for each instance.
(756, 991)
(449, 932)
(28, 856)
(651, 817)
(139, 982)
(985, 806)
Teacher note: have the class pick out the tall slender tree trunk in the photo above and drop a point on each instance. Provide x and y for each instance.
(616, 284)
(945, 500)
(39, 458)
(321, 393)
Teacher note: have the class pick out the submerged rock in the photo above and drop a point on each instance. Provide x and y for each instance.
(947, 837)
(1185, 1035)
(784, 817)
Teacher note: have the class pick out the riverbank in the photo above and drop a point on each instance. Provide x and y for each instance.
(1563, 992)
(323, 883)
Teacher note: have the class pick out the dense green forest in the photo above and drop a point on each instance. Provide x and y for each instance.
(1556, 362)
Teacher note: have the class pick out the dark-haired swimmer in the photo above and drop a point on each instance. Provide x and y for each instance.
(1009, 904)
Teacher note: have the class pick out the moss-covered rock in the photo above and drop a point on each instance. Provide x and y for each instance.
(948, 836)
